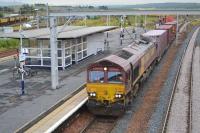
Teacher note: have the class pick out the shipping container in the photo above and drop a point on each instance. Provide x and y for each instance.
(159, 37)
(174, 24)
(170, 34)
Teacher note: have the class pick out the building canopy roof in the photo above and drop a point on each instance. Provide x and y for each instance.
(67, 32)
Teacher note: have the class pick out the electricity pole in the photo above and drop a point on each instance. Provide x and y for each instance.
(54, 53)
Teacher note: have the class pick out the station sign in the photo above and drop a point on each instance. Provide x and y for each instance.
(24, 51)
(22, 57)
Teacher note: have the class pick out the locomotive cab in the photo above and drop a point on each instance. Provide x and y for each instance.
(106, 88)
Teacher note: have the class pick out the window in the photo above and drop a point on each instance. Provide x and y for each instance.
(59, 44)
(80, 56)
(79, 40)
(67, 43)
(73, 41)
(96, 76)
(47, 61)
(33, 43)
(84, 39)
(84, 45)
(59, 62)
(33, 61)
(59, 53)
(85, 53)
(46, 44)
(115, 77)
(80, 47)
(136, 73)
(34, 52)
(67, 52)
(25, 43)
(46, 53)
(67, 61)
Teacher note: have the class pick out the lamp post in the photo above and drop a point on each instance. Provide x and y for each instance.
(21, 59)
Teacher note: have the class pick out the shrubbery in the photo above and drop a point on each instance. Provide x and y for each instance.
(9, 43)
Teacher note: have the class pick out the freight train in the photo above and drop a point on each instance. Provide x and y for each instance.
(12, 20)
(113, 81)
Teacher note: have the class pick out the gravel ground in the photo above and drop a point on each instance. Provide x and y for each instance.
(156, 121)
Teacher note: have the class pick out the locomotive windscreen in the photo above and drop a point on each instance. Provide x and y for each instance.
(96, 76)
(114, 77)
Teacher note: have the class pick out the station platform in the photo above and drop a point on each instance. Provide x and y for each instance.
(17, 110)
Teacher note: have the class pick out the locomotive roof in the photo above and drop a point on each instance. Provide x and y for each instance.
(139, 51)
(117, 60)
(135, 49)
(154, 33)
(164, 27)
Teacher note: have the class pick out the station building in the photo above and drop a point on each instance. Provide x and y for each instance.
(75, 43)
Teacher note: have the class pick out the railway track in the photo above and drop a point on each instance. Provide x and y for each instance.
(100, 124)
(181, 116)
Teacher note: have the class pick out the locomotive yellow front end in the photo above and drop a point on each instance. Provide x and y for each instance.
(106, 90)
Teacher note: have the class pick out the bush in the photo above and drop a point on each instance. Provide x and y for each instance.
(9, 43)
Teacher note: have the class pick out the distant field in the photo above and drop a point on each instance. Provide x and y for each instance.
(115, 21)
(196, 22)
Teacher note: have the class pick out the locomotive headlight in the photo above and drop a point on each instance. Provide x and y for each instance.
(92, 94)
(118, 95)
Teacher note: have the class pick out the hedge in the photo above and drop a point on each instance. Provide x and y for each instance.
(9, 43)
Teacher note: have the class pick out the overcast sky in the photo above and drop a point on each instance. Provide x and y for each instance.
(98, 2)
